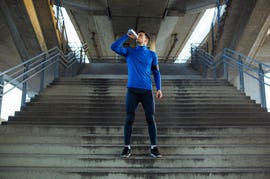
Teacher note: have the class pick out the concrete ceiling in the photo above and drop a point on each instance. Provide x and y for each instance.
(169, 22)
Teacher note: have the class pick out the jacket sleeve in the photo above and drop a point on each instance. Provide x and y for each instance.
(117, 46)
(156, 72)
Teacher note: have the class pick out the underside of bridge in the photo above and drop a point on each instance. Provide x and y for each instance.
(29, 27)
(70, 125)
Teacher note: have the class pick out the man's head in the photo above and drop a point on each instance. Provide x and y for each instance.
(143, 38)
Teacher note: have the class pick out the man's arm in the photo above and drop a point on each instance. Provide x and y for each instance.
(117, 46)
(157, 76)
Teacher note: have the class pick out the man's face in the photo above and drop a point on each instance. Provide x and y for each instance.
(142, 39)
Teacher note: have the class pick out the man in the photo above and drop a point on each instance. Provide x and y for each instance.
(141, 63)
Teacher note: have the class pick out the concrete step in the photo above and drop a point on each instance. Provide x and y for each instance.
(158, 102)
(170, 101)
(140, 110)
(88, 122)
(123, 90)
(121, 99)
(122, 93)
(159, 107)
(180, 106)
(202, 109)
(49, 130)
(166, 83)
(135, 161)
(131, 173)
(136, 139)
(110, 149)
(120, 115)
(123, 82)
(115, 86)
(170, 97)
(117, 114)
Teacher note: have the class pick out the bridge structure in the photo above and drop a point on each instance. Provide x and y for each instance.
(214, 122)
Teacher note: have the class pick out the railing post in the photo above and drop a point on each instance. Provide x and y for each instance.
(65, 69)
(262, 86)
(241, 74)
(225, 67)
(42, 74)
(204, 70)
(24, 87)
(1, 92)
(214, 71)
(56, 67)
(81, 56)
(194, 56)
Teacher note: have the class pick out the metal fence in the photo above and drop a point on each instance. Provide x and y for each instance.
(33, 75)
(121, 59)
(235, 66)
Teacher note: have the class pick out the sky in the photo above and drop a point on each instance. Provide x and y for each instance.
(11, 101)
(199, 33)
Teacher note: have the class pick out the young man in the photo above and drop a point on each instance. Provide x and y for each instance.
(141, 63)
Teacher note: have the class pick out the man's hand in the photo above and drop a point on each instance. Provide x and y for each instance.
(159, 94)
(131, 36)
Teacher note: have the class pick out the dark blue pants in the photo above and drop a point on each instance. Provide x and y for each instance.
(133, 98)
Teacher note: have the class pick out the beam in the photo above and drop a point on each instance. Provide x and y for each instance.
(78, 7)
(35, 22)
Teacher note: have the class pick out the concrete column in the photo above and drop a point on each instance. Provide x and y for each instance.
(152, 44)
(255, 30)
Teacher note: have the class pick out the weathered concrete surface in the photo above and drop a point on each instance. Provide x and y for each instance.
(22, 36)
(246, 29)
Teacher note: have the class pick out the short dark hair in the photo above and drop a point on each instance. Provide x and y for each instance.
(146, 34)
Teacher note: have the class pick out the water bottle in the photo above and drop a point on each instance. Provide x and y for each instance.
(132, 32)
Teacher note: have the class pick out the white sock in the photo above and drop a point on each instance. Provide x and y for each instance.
(152, 146)
(128, 146)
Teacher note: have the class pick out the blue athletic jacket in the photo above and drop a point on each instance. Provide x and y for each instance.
(140, 61)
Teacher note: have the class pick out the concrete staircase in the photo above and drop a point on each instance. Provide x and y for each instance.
(74, 129)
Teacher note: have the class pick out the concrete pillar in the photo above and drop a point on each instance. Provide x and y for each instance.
(152, 43)
(255, 31)
(235, 23)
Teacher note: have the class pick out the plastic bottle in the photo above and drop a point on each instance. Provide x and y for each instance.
(132, 32)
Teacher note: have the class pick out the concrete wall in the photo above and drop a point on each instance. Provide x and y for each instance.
(236, 21)
(9, 55)
(252, 88)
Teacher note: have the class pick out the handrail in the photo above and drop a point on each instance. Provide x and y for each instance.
(251, 60)
(249, 64)
(240, 66)
(120, 59)
(44, 65)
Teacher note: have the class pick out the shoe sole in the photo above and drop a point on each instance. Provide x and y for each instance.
(156, 156)
(125, 156)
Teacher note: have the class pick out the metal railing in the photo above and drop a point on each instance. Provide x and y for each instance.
(33, 75)
(233, 65)
(121, 59)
